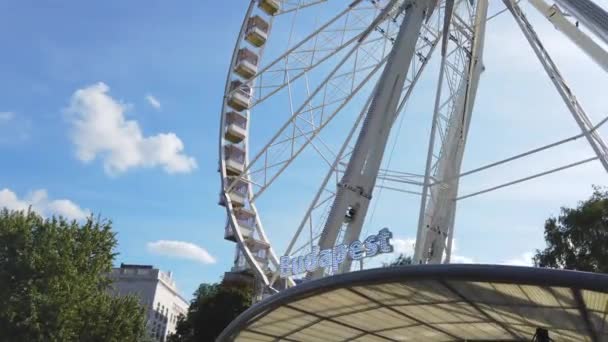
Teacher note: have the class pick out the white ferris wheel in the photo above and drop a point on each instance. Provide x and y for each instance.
(331, 80)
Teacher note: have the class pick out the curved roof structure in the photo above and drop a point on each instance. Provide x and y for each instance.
(433, 303)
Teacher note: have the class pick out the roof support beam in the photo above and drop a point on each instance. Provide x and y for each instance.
(582, 308)
(330, 319)
(411, 318)
(516, 336)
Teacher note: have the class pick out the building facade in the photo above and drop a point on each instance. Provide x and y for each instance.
(156, 291)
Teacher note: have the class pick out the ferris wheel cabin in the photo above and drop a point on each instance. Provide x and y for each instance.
(238, 193)
(259, 249)
(240, 95)
(235, 159)
(257, 31)
(246, 224)
(236, 127)
(247, 63)
(271, 7)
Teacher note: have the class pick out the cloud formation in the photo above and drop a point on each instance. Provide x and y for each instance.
(40, 202)
(6, 116)
(461, 259)
(100, 129)
(153, 101)
(181, 250)
(406, 247)
(525, 259)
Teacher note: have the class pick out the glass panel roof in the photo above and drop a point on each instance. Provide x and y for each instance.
(442, 308)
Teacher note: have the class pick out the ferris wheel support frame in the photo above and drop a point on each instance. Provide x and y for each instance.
(593, 137)
(555, 15)
(366, 72)
(353, 195)
(240, 248)
(357, 170)
(417, 69)
(591, 15)
(436, 216)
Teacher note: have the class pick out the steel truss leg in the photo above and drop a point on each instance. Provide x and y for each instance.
(355, 190)
(436, 221)
(589, 14)
(571, 31)
(593, 137)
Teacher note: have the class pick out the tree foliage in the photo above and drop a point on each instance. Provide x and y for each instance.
(400, 261)
(214, 306)
(578, 238)
(53, 281)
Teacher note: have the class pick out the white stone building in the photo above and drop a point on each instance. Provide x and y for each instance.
(156, 291)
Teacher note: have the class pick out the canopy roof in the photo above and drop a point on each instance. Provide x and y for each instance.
(433, 303)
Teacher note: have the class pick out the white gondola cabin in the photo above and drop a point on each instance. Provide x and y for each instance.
(259, 249)
(270, 6)
(239, 97)
(236, 127)
(238, 192)
(246, 222)
(246, 63)
(240, 265)
(235, 159)
(257, 31)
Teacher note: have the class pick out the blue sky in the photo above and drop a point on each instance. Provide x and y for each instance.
(154, 74)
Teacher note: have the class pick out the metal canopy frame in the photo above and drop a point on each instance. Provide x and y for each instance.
(445, 277)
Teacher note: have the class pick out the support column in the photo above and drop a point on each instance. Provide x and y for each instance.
(355, 189)
(435, 230)
(593, 137)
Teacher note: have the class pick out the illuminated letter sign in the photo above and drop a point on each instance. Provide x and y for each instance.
(330, 259)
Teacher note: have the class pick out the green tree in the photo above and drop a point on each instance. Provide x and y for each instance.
(214, 306)
(400, 261)
(53, 282)
(578, 238)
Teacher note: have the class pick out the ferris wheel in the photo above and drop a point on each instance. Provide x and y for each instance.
(333, 79)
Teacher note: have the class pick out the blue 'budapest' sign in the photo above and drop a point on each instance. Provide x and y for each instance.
(330, 259)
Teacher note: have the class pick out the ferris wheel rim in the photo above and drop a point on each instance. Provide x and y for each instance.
(230, 211)
(252, 195)
(224, 197)
(232, 221)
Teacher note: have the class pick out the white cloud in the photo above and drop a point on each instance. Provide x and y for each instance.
(100, 129)
(182, 250)
(40, 202)
(6, 116)
(461, 259)
(457, 258)
(153, 101)
(525, 259)
(404, 246)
